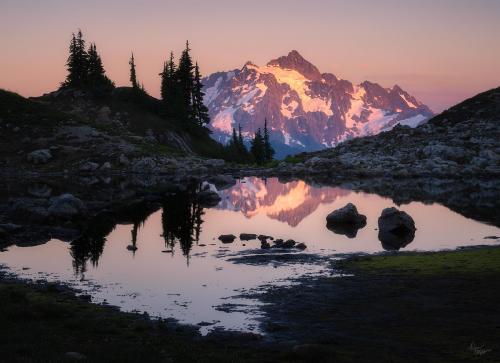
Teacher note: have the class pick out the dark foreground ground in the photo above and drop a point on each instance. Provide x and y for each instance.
(430, 307)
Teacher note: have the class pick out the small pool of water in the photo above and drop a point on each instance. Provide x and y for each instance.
(181, 270)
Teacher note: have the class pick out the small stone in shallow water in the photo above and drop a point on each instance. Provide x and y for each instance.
(264, 245)
(301, 246)
(247, 236)
(289, 243)
(263, 237)
(227, 238)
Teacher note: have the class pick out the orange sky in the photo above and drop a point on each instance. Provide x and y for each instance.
(441, 51)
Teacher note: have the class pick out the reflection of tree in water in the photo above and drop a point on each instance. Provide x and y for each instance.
(90, 245)
(182, 219)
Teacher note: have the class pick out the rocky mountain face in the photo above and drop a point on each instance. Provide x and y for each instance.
(463, 141)
(306, 110)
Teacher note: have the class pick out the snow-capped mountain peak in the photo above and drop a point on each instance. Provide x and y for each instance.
(296, 62)
(306, 110)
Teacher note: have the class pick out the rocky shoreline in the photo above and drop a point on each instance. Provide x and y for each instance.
(35, 209)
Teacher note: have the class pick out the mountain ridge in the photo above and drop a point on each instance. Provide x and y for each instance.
(306, 110)
(462, 141)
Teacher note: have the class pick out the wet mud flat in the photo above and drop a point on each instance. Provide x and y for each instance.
(410, 307)
(407, 307)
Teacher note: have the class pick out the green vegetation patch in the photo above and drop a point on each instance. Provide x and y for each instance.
(466, 261)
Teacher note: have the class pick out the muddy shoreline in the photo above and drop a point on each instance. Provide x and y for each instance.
(359, 313)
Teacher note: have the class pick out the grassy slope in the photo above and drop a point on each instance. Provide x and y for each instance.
(144, 114)
(38, 118)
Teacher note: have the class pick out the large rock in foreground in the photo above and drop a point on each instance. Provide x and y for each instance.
(396, 229)
(346, 215)
(346, 221)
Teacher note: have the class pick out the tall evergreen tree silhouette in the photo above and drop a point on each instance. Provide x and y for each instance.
(133, 74)
(96, 75)
(200, 111)
(234, 139)
(242, 149)
(185, 78)
(268, 149)
(164, 82)
(257, 148)
(170, 87)
(77, 62)
(240, 138)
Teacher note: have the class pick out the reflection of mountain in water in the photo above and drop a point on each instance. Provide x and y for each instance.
(289, 202)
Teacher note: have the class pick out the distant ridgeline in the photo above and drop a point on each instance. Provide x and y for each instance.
(182, 96)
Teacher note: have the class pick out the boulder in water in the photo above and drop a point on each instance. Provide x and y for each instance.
(346, 221)
(396, 229)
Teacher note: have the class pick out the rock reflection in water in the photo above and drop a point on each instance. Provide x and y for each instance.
(349, 230)
(395, 241)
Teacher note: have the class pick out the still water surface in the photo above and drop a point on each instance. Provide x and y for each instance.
(181, 270)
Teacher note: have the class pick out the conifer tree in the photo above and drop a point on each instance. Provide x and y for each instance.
(234, 140)
(170, 87)
(200, 111)
(94, 66)
(81, 58)
(164, 82)
(71, 78)
(242, 149)
(133, 75)
(232, 148)
(185, 79)
(240, 138)
(257, 148)
(268, 149)
(96, 75)
(77, 62)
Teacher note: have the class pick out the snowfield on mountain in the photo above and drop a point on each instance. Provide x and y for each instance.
(306, 110)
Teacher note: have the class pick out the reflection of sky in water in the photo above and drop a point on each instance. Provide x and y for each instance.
(189, 289)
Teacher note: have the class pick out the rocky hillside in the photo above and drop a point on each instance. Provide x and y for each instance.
(306, 110)
(462, 141)
(73, 130)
